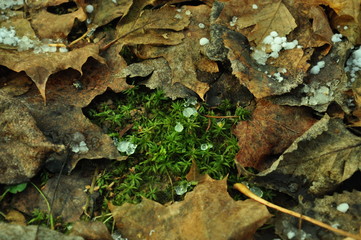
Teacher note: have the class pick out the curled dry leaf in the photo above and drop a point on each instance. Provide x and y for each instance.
(206, 213)
(271, 131)
(316, 162)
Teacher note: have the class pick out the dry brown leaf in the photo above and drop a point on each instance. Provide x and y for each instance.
(53, 26)
(105, 11)
(346, 17)
(91, 230)
(184, 58)
(271, 130)
(13, 231)
(269, 16)
(206, 213)
(261, 80)
(40, 66)
(195, 175)
(317, 162)
(160, 76)
(23, 147)
(153, 27)
(329, 85)
(70, 197)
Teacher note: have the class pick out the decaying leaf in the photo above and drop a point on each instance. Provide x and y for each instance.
(70, 197)
(40, 66)
(13, 231)
(184, 58)
(107, 10)
(91, 230)
(345, 18)
(271, 130)
(317, 162)
(262, 17)
(326, 210)
(160, 76)
(330, 84)
(49, 25)
(206, 213)
(23, 147)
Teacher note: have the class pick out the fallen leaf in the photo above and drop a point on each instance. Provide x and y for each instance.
(40, 66)
(320, 90)
(70, 197)
(13, 231)
(325, 210)
(184, 58)
(91, 230)
(160, 77)
(107, 10)
(271, 131)
(54, 26)
(268, 16)
(15, 217)
(345, 17)
(316, 162)
(23, 147)
(206, 213)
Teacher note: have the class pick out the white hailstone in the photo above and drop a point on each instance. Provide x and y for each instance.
(337, 37)
(189, 111)
(178, 127)
(89, 8)
(201, 25)
(254, 6)
(203, 41)
(127, 147)
(343, 207)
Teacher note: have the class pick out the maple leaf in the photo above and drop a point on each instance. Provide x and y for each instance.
(206, 213)
(270, 132)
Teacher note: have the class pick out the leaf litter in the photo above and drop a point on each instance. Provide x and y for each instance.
(270, 47)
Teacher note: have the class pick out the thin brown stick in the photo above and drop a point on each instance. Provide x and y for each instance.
(243, 189)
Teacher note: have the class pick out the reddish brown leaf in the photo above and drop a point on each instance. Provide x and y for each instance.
(272, 129)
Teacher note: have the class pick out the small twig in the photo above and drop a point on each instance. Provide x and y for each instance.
(243, 189)
(88, 33)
